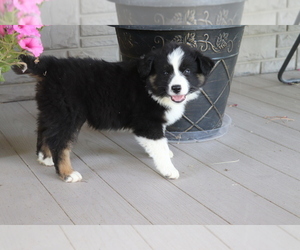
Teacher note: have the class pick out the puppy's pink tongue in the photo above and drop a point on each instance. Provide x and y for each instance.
(178, 98)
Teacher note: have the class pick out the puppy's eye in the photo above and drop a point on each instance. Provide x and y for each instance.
(166, 73)
(187, 72)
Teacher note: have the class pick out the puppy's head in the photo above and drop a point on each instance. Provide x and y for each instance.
(175, 72)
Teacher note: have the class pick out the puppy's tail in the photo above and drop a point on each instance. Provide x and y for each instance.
(29, 65)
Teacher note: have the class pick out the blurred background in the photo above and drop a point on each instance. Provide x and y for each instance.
(80, 28)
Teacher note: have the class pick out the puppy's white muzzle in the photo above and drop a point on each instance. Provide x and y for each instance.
(178, 88)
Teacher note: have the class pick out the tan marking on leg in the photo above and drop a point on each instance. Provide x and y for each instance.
(46, 151)
(64, 165)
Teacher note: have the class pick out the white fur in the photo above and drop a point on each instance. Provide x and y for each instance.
(74, 177)
(174, 114)
(192, 96)
(48, 161)
(174, 110)
(159, 151)
(175, 59)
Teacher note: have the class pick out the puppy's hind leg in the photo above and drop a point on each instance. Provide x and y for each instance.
(45, 156)
(63, 166)
(159, 151)
(59, 145)
(42, 150)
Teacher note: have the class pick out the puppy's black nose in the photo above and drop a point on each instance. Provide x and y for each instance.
(176, 88)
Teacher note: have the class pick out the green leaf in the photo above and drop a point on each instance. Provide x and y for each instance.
(1, 78)
(9, 18)
(4, 68)
(10, 39)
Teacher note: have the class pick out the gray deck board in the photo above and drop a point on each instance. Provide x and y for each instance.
(180, 237)
(89, 202)
(253, 175)
(23, 199)
(144, 189)
(149, 237)
(235, 204)
(33, 238)
(266, 96)
(16, 92)
(105, 237)
(253, 237)
(294, 231)
(249, 176)
(264, 110)
(148, 192)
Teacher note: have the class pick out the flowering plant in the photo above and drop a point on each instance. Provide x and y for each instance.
(19, 33)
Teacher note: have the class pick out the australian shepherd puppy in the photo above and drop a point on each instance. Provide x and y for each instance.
(144, 96)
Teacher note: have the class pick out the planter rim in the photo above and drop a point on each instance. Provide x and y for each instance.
(175, 27)
(174, 3)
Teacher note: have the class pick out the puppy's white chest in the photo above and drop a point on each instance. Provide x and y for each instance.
(174, 114)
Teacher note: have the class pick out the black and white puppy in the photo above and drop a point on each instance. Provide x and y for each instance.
(143, 95)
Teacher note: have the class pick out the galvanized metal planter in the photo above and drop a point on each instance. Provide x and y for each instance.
(179, 12)
(204, 117)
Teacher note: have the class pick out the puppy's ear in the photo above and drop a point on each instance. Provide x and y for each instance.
(205, 64)
(145, 65)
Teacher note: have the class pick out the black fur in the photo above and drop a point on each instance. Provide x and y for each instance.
(106, 95)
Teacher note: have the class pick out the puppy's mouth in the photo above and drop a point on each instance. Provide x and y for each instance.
(178, 98)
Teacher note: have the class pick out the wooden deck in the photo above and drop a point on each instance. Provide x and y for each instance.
(140, 237)
(250, 176)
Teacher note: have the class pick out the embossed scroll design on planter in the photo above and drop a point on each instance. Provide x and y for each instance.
(189, 18)
(222, 42)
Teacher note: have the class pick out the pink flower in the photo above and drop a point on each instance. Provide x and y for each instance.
(6, 29)
(6, 5)
(2, 30)
(31, 44)
(27, 30)
(27, 6)
(39, 1)
(9, 29)
(30, 19)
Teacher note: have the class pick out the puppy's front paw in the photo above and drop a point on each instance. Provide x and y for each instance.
(170, 173)
(74, 177)
(174, 175)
